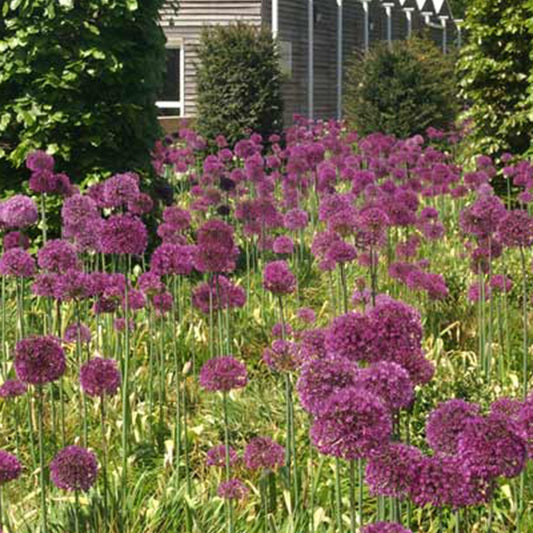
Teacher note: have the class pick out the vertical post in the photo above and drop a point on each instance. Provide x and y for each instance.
(458, 23)
(388, 10)
(310, 59)
(339, 59)
(367, 26)
(443, 21)
(182, 79)
(275, 18)
(409, 18)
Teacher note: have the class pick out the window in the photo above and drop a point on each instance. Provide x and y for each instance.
(171, 97)
(285, 56)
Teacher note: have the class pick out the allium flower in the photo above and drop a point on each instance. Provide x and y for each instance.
(177, 217)
(39, 160)
(262, 452)
(341, 252)
(19, 211)
(385, 527)
(283, 245)
(216, 456)
(306, 315)
(352, 424)
(351, 336)
(172, 259)
(501, 283)
(12, 388)
(72, 332)
(10, 467)
(233, 489)
(150, 283)
(281, 331)
(39, 360)
(483, 217)
(320, 379)
(216, 250)
(99, 377)
(123, 234)
(446, 423)
(121, 189)
(17, 262)
(524, 421)
(443, 481)
(141, 204)
(492, 446)
(296, 219)
(388, 381)
(162, 303)
(506, 407)
(57, 256)
(16, 239)
(223, 374)
(220, 293)
(278, 278)
(74, 285)
(74, 468)
(391, 470)
(78, 211)
(282, 356)
(371, 224)
(516, 229)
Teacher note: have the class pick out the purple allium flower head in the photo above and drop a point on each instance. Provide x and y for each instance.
(516, 229)
(74, 468)
(99, 377)
(172, 259)
(445, 424)
(233, 489)
(121, 189)
(123, 234)
(72, 332)
(19, 211)
(74, 285)
(263, 452)
(141, 204)
(501, 283)
(296, 219)
(389, 381)
(341, 252)
(506, 407)
(17, 262)
(371, 224)
(119, 324)
(216, 456)
(391, 469)
(216, 250)
(177, 217)
(47, 285)
(136, 300)
(280, 330)
(13, 388)
(322, 378)
(162, 302)
(351, 336)
(57, 256)
(78, 211)
(283, 245)
(524, 420)
(443, 481)
(39, 160)
(352, 424)
(16, 239)
(39, 360)
(492, 446)
(219, 293)
(278, 278)
(306, 315)
(150, 283)
(483, 217)
(385, 527)
(282, 356)
(10, 467)
(223, 374)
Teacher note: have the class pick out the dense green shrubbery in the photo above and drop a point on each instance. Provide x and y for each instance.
(239, 82)
(80, 80)
(402, 90)
(494, 68)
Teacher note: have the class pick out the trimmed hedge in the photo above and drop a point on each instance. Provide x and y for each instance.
(401, 90)
(239, 82)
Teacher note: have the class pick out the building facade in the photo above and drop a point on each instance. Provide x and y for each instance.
(316, 39)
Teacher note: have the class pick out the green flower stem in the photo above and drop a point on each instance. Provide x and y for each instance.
(177, 371)
(104, 457)
(353, 520)
(226, 446)
(338, 494)
(524, 318)
(79, 357)
(42, 478)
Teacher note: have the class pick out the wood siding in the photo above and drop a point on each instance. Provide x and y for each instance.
(186, 24)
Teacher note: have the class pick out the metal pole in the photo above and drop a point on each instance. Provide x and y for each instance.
(310, 60)
(459, 37)
(339, 59)
(409, 17)
(444, 36)
(389, 26)
(275, 18)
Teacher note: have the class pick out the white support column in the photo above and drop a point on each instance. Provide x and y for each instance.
(444, 22)
(275, 18)
(339, 59)
(310, 59)
(388, 10)
(409, 17)
(458, 24)
(366, 21)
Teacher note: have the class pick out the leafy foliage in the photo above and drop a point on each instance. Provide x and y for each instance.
(494, 68)
(403, 90)
(239, 82)
(80, 80)
(458, 8)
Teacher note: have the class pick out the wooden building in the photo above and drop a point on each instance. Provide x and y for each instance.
(316, 39)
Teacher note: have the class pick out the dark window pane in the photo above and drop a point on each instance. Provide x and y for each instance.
(171, 84)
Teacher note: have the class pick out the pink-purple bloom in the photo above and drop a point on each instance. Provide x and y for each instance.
(74, 469)
(39, 360)
(223, 374)
(100, 377)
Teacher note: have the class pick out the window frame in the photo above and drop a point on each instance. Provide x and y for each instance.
(178, 105)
